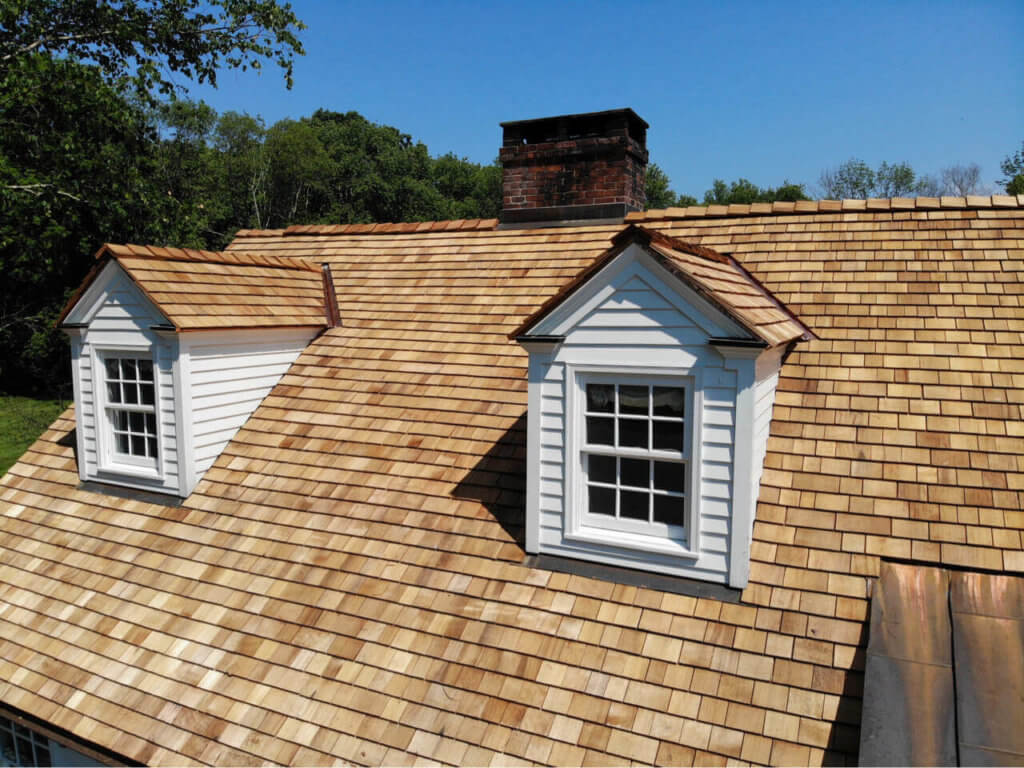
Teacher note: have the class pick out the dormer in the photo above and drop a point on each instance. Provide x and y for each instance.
(173, 349)
(651, 383)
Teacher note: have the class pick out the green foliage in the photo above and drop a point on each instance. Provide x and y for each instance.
(743, 191)
(146, 42)
(1012, 167)
(74, 171)
(660, 194)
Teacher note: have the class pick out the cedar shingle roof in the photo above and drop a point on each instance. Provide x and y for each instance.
(345, 582)
(206, 290)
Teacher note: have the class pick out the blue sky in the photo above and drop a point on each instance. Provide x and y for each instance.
(767, 91)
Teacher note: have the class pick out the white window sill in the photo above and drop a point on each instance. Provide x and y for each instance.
(649, 544)
(129, 472)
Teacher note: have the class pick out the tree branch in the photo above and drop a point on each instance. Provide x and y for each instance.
(36, 190)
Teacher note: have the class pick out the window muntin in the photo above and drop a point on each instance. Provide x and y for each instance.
(21, 746)
(634, 457)
(130, 391)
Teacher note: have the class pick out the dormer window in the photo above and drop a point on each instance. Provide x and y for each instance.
(172, 350)
(652, 379)
(130, 411)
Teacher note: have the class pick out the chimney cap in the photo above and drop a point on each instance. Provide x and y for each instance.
(627, 112)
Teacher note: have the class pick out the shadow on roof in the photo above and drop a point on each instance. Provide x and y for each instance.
(498, 482)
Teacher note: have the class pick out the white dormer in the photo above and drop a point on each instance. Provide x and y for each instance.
(173, 350)
(651, 384)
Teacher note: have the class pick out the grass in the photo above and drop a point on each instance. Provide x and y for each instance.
(22, 420)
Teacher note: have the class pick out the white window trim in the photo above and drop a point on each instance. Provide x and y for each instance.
(107, 464)
(575, 523)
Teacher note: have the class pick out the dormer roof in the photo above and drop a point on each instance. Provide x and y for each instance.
(714, 276)
(218, 290)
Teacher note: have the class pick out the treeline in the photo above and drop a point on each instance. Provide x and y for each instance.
(853, 179)
(229, 171)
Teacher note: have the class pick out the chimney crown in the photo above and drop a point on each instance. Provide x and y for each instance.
(574, 167)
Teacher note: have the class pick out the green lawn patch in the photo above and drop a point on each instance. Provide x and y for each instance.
(22, 420)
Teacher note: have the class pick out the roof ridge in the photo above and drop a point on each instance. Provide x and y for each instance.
(231, 258)
(831, 206)
(388, 227)
(670, 242)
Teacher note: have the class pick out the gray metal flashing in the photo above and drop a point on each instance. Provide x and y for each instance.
(729, 342)
(634, 578)
(135, 494)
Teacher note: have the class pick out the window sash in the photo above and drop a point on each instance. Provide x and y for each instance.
(130, 440)
(653, 456)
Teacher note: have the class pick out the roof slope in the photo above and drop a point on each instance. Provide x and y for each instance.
(345, 583)
(207, 290)
(715, 277)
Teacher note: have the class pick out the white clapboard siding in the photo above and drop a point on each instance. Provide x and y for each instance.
(637, 326)
(766, 381)
(229, 375)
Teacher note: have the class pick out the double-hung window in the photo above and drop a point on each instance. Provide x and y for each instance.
(635, 457)
(130, 405)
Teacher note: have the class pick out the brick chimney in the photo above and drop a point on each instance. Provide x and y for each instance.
(574, 167)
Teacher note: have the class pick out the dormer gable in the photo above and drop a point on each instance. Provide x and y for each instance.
(173, 349)
(651, 382)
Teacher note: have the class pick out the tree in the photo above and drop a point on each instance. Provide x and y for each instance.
(853, 179)
(75, 170)
(962, 179)
(145, 42)
(1012, 167)
(896, 180)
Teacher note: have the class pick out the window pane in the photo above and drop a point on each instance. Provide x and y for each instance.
(668, 401)
(131, 393)
(146, 390)
(42, 756)
(600, 431)
(601, 398)
(137, 421)
(636, 472)
(24, 752)
(6, 745)
(120, 420)
(127, 369)
(668, 435)
(152, 447)
(146, 370)
(113, 392)
(633, 400)
(633, 504)
(601, 469)
(112, 369)
(122, 442)
(633, 433)
(669, 476)
(138, 445)
(151, 423)
(601, 501)
(669, 509)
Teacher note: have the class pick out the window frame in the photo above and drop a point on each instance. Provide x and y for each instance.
(109, 460)
(582, 526)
